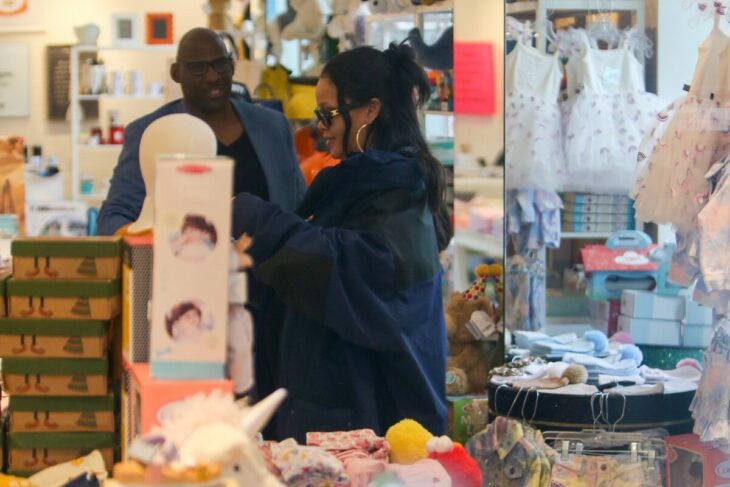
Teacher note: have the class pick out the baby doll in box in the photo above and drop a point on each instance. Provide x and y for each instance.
(471, 318)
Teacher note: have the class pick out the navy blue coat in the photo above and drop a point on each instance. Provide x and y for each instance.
(363, 343)
(271, 139)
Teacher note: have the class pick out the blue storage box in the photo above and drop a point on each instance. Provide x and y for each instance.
(622, 263)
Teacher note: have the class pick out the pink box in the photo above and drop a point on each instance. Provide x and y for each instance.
(148, 397)
(691, 462)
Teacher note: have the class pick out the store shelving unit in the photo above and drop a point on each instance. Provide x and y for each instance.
(82, 153)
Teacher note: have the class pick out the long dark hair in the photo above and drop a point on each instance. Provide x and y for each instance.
(401, 85)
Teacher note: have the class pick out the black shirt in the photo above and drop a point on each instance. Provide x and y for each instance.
(248, 175)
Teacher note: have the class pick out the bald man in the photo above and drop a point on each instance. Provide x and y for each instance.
(257, 139)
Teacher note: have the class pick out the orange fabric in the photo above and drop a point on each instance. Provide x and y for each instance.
(303, 143)
(312, 165)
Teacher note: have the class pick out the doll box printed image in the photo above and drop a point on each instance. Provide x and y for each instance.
(55, 377)
(467, 416)
(67, 258)
(61, 414)
(691, 462)
(53, 338)
(136, 295)
(150, 398)
(92, 300)
(33, 452)
(191, 257)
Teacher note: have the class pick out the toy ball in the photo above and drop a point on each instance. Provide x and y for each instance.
(576, 374)
(407, 440)
(622, 337)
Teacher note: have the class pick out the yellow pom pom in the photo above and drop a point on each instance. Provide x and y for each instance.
(482, 270)
(407, 442)
(495, 270)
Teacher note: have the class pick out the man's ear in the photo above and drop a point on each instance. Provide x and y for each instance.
(175, 72)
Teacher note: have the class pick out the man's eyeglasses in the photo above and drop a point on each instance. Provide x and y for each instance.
(222, 65)
(325, 116)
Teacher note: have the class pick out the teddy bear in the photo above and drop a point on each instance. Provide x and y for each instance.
(471, 318)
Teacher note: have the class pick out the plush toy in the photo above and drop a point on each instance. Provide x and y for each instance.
(462, 468)
(407, 440)
(342, 24)
(439, 55)
(470, 318)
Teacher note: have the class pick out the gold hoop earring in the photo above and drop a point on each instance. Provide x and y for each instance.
(357, 137)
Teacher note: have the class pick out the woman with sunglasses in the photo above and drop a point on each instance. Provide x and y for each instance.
(363, 343)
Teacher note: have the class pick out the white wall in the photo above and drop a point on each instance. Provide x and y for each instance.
(61, 16)
(482, 20)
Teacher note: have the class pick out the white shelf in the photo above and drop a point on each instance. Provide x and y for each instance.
(438, 112)
(444, 7)
(142, 47)
(584, 235)
(101, 147)
(486, 185)
(98, 196)
(120, 97)
(521, 7)
(478, 242)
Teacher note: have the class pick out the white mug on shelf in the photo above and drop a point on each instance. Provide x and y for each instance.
(116, 83)
(134, 84)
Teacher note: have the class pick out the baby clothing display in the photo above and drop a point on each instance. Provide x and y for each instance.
(603, 471)
(533, 219)
(711, 405)
(525, 293)
(510, 455)
(340, 442)
(607, 118)
(597, 366)
(534, 152)
(687, 137)
(305, 465)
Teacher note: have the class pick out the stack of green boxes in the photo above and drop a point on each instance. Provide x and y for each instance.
(62, 300)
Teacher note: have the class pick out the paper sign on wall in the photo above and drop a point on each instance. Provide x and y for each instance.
(474, 83)
(14, 80)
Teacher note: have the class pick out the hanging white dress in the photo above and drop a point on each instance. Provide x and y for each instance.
(606, 120)
(534, 156)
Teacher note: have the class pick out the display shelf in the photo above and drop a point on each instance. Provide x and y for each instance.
(478, 242)
(119, 97)
(101, 147)
(97, 196)
(438, 112)
(141, 47)
(437, 8)
(517, 8)
(488, 186)
(584, 235)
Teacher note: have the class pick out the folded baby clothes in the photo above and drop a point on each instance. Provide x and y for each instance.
(524, 339)
(682, 373)
(552, 349)
(362, 471)
(307, 465)
(597, 366)
(423, 472)
(610, 379)
(363, 439)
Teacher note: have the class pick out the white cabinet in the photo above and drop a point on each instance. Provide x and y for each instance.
(96, 162)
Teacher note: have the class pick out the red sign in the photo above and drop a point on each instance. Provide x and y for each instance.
(474, 84)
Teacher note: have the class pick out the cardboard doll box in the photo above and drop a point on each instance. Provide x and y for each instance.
(80, 258)
(625, 208)
(691, 462)
(61, 414)
(571, 226)
(32, 452)
(650, 305)
(191, 258)
(150, 398)
(90, 300)
(600, 218)
(55, 377)
(136, 296)
(36, 338)
(595, 199)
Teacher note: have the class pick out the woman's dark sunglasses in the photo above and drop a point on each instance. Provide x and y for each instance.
(222, 65)
(326, 116)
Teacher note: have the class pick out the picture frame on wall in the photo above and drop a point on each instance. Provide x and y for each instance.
(159, 28)
(125, 30)
(22, 16)
(14, 86)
